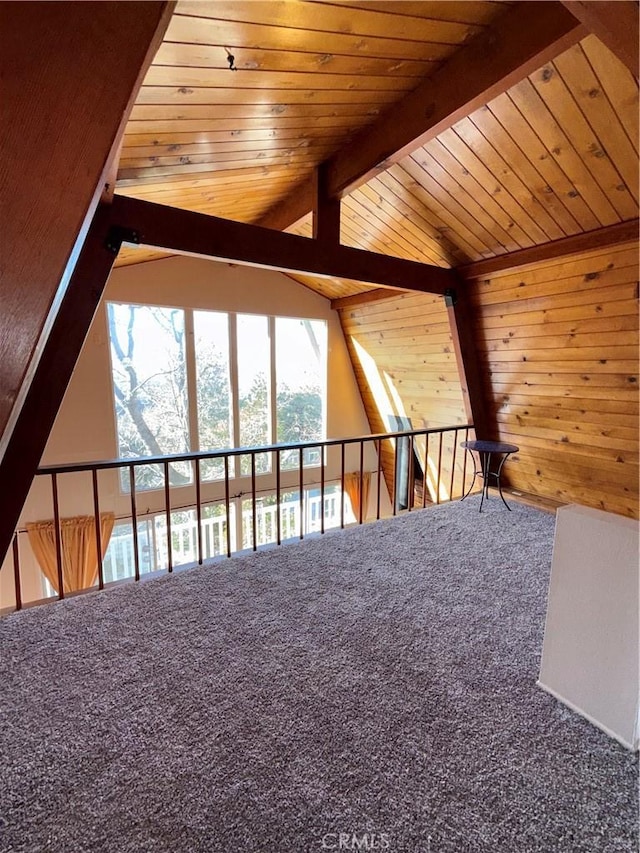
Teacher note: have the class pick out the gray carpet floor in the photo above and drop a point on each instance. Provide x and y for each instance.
(377, 683)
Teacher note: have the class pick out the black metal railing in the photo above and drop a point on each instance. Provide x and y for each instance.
(433, 473)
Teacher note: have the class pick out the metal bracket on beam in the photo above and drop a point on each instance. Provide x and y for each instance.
(117, 235)
(450, 297)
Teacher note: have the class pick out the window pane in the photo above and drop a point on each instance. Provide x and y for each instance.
(254, 372)
(150, 388)
(215, 410)
(301, 368)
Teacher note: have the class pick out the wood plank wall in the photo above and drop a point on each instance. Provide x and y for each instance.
(558, 343)
(405, 366)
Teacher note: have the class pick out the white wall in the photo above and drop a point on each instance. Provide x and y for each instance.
(85, 426)
(590, 652)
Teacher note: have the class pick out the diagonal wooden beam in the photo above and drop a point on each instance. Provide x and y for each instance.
(521, 41)
(70, 72)
(60, 353)
(187, 232)
(461, 325)
(615, 24)
(326, 210)
(611, 235)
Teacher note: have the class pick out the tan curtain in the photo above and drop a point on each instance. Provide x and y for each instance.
(352, 488)
(79, 549)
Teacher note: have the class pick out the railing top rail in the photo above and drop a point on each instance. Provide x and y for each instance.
(76, 467)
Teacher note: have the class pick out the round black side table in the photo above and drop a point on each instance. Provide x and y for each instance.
(486, 450)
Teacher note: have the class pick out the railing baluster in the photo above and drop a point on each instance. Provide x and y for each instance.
(321, 489)
(409, 472)
(154, 539)
(98, 524)
(453, 466)
(342, 485)
(199, 513)
(227, 503)
(301, 491)
(253, 501)
(395, 485)
(464, 464)
(300, 511)
(58, 534)
(134, 523)
(167, 503)
(278, 499)
(439, 470)
(378, 445)
(360, 511)
(425, 470)
(16, 572)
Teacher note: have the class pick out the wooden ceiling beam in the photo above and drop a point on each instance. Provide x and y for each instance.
(342, 303)
(615, 24)
(611, 235)
(326, 211)
(187, 232)
(522, 40)
(461, 325)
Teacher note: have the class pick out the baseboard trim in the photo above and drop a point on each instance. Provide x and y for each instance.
(633, 747)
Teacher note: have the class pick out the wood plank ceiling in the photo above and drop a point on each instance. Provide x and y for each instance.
(310, 75)
(554, 156)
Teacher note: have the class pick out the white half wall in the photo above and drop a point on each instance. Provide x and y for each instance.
(590, 651)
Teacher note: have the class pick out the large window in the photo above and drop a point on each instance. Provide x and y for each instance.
(214, 400)
(301, 374)
(207, 380)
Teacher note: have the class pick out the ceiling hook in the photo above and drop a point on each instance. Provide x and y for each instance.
(231, 60)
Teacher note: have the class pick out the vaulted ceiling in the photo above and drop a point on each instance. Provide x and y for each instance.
(245, 99)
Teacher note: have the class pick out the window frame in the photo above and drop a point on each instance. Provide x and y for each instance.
(189, 313)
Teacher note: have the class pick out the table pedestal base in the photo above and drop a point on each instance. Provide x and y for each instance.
(485, 451)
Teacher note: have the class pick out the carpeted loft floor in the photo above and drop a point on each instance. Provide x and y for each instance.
(377, 682)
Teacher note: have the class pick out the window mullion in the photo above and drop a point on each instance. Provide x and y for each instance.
(192, 384)
(273, 408)
(235, 396)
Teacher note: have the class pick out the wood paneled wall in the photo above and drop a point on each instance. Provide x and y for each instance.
(404, 363)
(558, 342)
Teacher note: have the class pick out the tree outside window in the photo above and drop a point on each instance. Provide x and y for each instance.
(152, 354)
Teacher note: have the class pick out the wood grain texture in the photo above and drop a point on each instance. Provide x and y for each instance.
(615, 24)
(521, 40)
(64, 99)
(43, 397)
(303, 66)
(405, 365)
(558, 344)
(165, 227)
(602, 237)
(552, 158)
